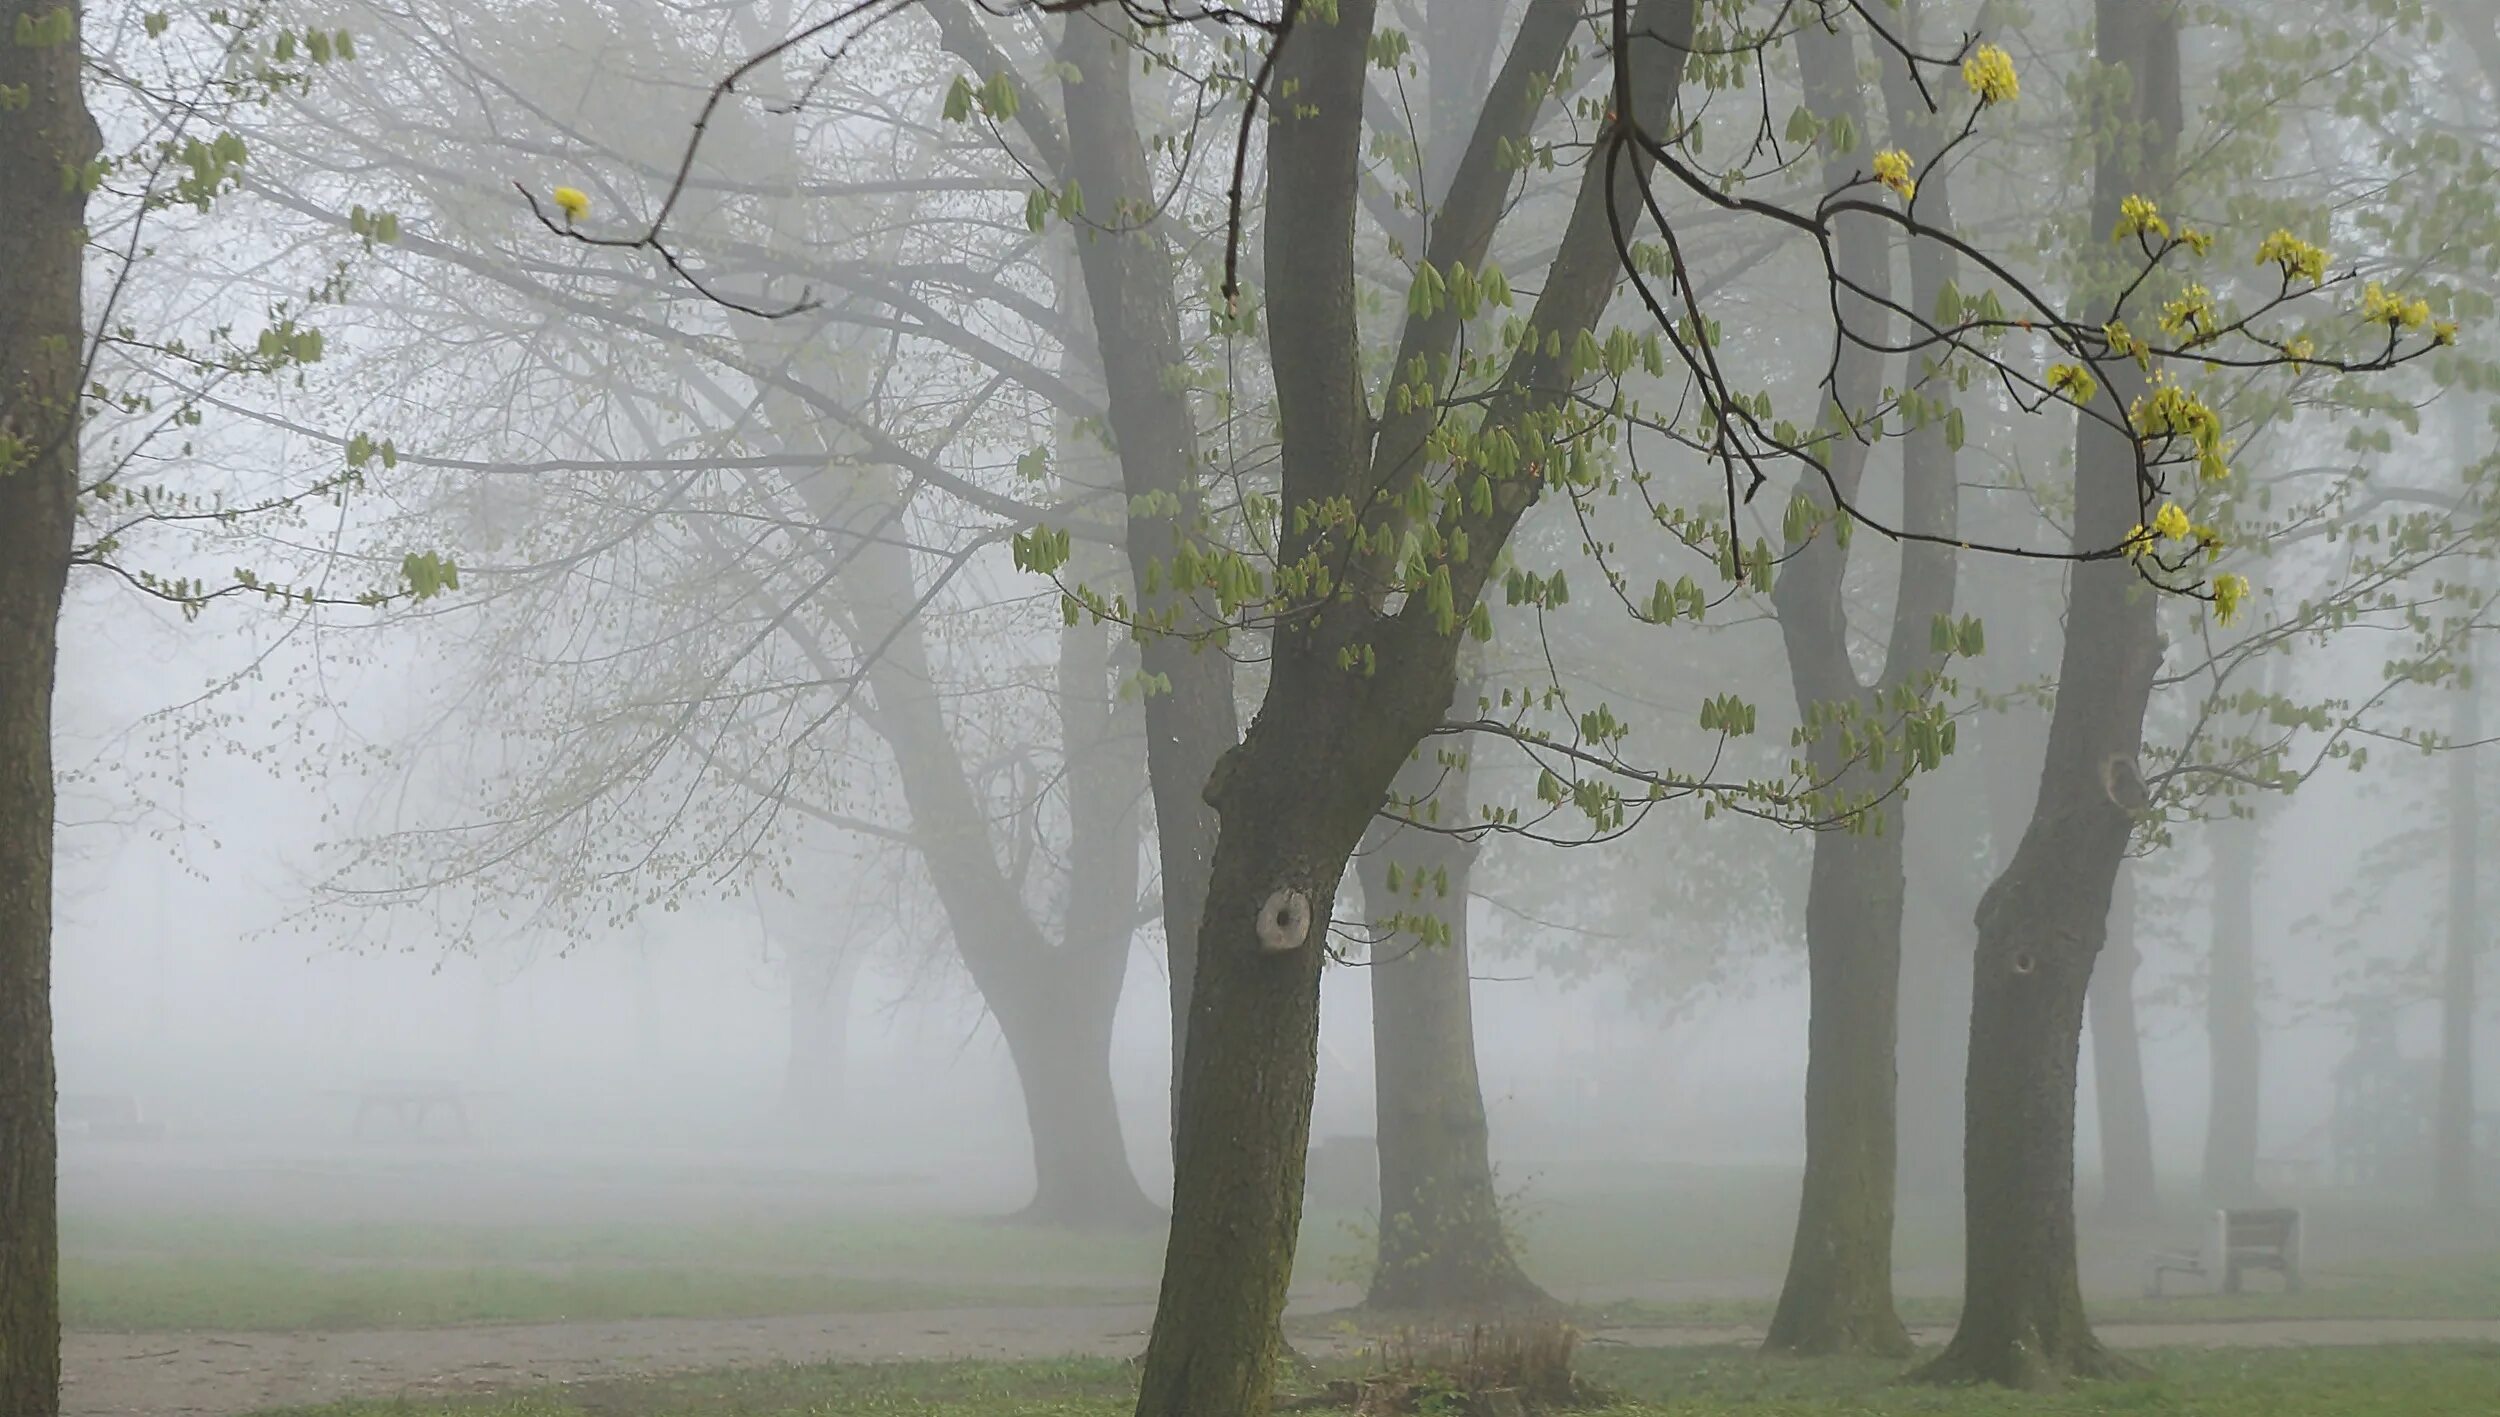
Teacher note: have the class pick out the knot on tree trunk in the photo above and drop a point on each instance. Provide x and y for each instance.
(1284, 920)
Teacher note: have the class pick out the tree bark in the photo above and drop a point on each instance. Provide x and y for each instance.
(2129, 1190)
(2232, 1026)
(1837, 1297)
(43, 344)
(1443, 1247)
(2454, 1182)
(2042, 923)
(1355, 683)
(1129, 275)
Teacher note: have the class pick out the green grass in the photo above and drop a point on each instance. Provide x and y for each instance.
(2435, 1381)
(213, 1292)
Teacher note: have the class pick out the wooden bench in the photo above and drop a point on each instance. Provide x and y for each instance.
(2242, 1240)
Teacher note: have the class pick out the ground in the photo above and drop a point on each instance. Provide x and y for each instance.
(212, 1286)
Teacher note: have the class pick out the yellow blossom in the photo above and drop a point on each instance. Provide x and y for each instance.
(2381, 306)
(1990, 73)
(2298, 259)
(2300, 349)
(2170, 411)
(2139, 540)
(2191, 314)
(2200, 242)
(1892, 168)
(2444, 331)
(2171, 522)
(2139, 216)
(2230, 588)
(2074, 381)
(573, 202)
(2123, 341)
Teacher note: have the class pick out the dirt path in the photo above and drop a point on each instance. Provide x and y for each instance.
(224, 1375)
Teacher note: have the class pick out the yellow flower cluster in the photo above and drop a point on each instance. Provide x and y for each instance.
(2191, 315)
(573, 202)
(2074, 381)
(2298, 259)
(2230, 588)
(2171, 522)
(1990, 73)
(2138, 216)
(2381, 306)
(1892, 168)
(2171, 411)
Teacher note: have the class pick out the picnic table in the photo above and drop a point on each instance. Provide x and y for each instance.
(400, 1107)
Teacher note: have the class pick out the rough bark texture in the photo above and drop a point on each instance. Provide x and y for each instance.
(2042, 923)
(2231, 1020)
(2129, 1190)
(2452, 1158)
(1837, 1297)
(42, 347)
(1443, 1247)
(1294, 799)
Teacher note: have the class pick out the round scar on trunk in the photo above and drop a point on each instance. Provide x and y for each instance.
(1284, 920)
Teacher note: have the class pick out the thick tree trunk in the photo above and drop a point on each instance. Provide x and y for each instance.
(1443, 1247)
(43, 342)
(2042, 923)
(2129, 1190)
(812, 1091)
(1838, 1295)
(2232, 1028)
(2454, 1182)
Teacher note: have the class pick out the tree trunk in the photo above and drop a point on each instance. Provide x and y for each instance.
(1944, 872)
(43, 343)
(1443, 1246)
(2232, 1027)
(812, 1091)
(1838, 1294)
(2454, 1182)
(2129, 1191)
(2042, 923)
(1062, 1052)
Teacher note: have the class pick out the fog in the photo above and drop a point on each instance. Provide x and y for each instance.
(1045, 679)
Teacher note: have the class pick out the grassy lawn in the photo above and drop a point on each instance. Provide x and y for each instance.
(2453, 1381)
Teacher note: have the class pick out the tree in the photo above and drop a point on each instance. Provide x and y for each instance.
(2129, 1191)
(44, 132)
(1838, 1294)
(1442, 1243)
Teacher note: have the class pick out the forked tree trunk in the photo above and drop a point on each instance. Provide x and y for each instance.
(1443, 1247)
(2232, 1028)
(2453, 1179)
(2129, 1190)
(1944, 872)
(1354, 685)
(1837, 1297)
(2042, 923)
